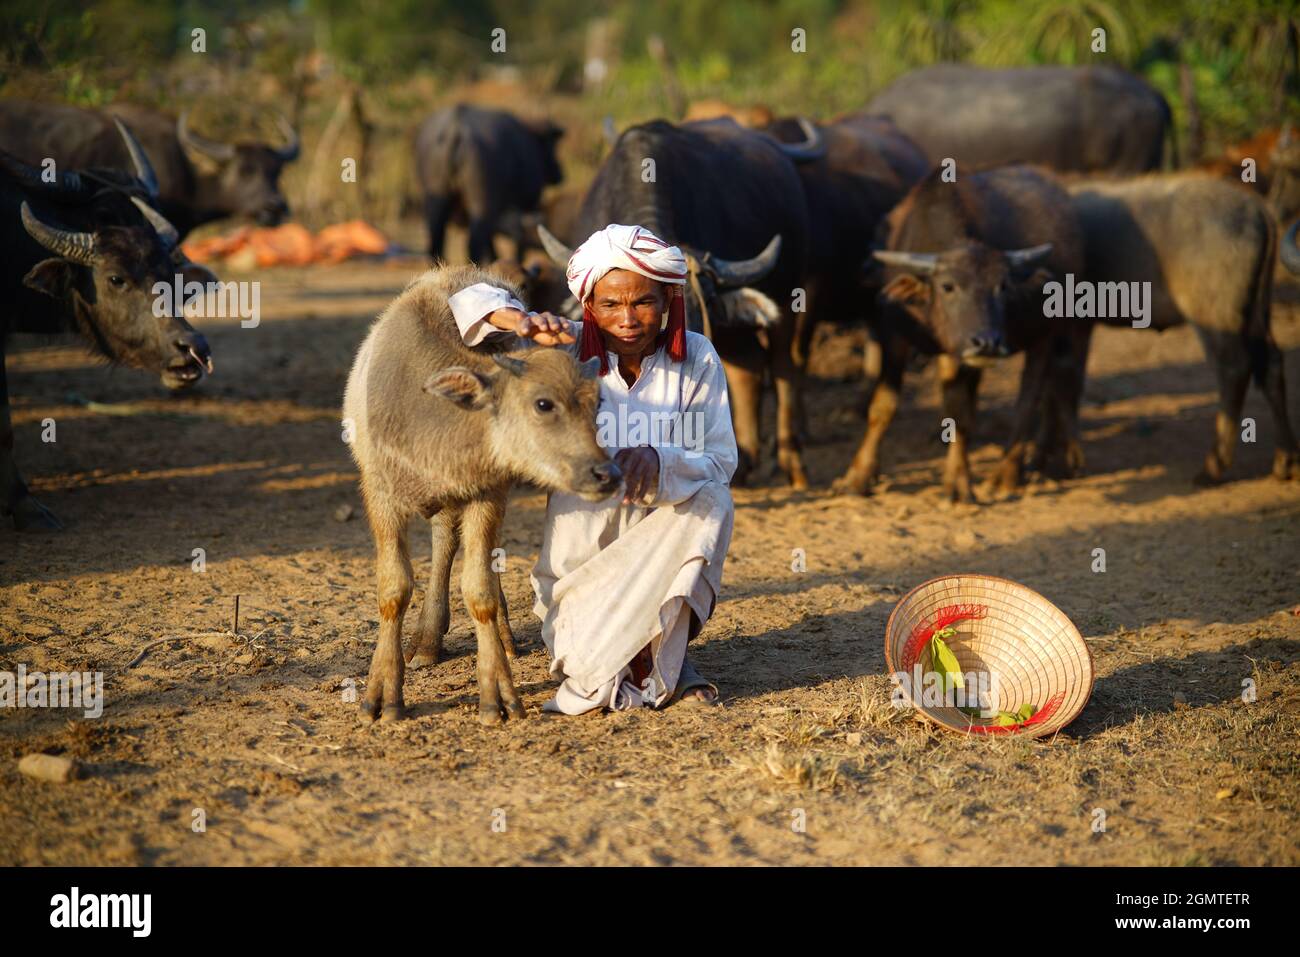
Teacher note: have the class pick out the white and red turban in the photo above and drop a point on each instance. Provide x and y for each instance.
(638, 250)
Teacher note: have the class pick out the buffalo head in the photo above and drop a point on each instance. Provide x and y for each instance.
(240, 179)
(960, 296)
(110, 277)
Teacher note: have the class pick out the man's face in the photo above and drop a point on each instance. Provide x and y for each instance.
(628, 307)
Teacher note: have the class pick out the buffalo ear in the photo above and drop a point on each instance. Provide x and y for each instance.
(749, 307)
(51, 276)
(906, 290)
(590, 369)
(460, 386)
(1033, 284)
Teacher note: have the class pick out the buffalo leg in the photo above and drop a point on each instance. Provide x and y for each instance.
(743, 365)
(435, 613)
(960, 385)
(482, 593)
(1228, 352)
(1030, 403)
(882, 404)
(787, 376)
(437, 211)
(1272, 382)
(393, 563)
(1063, 398)
(15, 500)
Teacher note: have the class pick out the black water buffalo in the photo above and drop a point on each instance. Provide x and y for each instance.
(719, 190)
(868, 167)
(199, 180)
(966, 263)
(1093, 118)
(1206, 248)
(84, 253)
(484, 168)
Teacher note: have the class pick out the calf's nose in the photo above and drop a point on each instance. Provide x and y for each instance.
(607, 474)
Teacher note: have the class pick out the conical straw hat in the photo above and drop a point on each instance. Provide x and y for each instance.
(1012, 638)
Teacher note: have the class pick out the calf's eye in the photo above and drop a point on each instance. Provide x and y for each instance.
(117, 282)
(948, 287)
(544, 405)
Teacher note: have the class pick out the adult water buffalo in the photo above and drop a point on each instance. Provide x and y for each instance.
(967, 261)
(1206, 247)
(1094, 118)
(718, 190)
(443, 431)
(199, 180)
(83, 254)
(485, 168)
(868, 167)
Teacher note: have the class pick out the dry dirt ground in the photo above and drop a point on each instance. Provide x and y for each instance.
(806, 763)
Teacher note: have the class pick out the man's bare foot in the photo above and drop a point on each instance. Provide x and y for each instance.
(702, 695)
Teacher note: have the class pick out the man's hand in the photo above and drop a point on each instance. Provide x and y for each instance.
(542, 327)
(640, 468)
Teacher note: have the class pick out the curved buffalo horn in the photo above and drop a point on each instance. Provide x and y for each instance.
(609, 130)
(30, 177)
(1289, 252)
(734, 273)
(139, 159)
(78, 247)
(920, 263)
(167, 234)
(812, 148)
(510, 363)
(1023, 258)
(222, 152)
(289, 152)
(554, 248)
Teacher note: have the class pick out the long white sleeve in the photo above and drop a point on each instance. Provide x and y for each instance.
(473, 304)
(708, 450)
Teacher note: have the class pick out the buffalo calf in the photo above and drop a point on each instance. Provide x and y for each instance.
(443, 431)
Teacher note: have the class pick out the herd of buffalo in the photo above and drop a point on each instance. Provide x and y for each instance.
(945, 216)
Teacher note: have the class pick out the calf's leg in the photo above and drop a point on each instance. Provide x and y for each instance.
(383, 697)
(482, 592)
(435, 613)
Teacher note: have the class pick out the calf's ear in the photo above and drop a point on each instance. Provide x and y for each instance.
(906, 290)
(52, 277)
(460, 386)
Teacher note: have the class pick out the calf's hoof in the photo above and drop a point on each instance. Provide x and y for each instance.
(374, 709)
(1212, 472)
(424, 653)
(31, 516)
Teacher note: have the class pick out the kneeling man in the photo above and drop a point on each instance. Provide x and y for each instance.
(622, 586)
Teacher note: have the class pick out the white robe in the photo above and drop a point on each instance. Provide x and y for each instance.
(612, 578)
